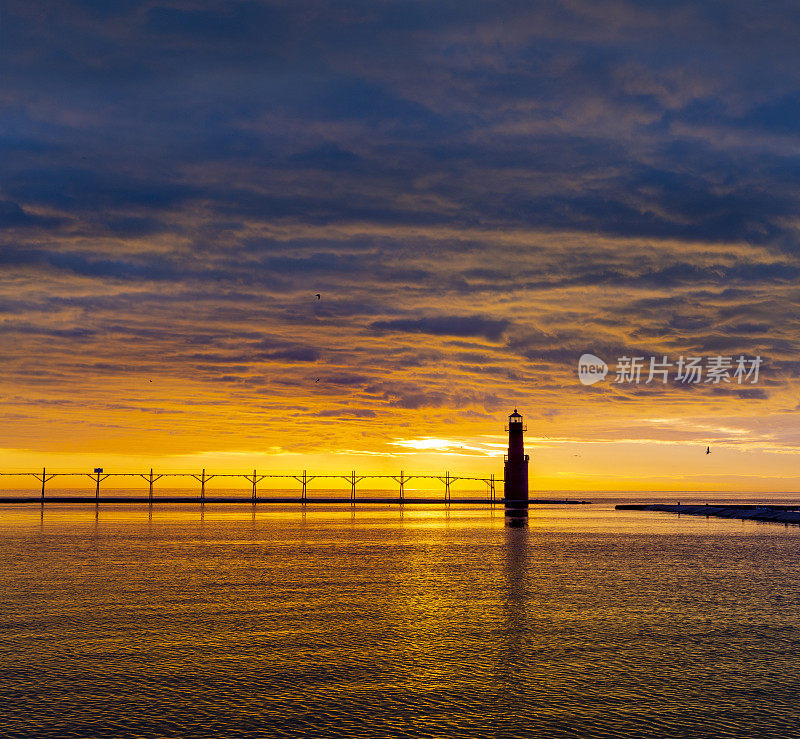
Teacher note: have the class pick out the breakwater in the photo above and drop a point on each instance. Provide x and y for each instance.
(99, 475)
(260, 499)
(744, 511)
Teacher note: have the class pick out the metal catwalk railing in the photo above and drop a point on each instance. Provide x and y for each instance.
(98, 476)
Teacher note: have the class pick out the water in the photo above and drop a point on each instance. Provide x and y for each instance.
(377, 622)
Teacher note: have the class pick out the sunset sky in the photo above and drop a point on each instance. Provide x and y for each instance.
(480, 192)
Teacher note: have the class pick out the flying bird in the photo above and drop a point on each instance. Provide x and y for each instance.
(319, 297)
(708, 450)
(317, 380)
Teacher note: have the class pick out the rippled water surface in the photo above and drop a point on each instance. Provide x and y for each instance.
(377, 622)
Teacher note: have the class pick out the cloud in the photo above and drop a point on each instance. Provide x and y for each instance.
(345, 413)
(295, 354)
(489, 328)
(13, 216)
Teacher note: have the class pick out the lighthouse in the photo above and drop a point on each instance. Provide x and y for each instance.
(516, 462)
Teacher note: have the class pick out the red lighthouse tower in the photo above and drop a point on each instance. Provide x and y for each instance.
(516, 462)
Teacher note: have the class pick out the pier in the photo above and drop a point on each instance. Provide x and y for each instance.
(303, 480)
(743, 511)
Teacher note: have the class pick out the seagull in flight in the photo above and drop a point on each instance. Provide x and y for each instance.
(708, 450)
(317, 380)
(319, 297)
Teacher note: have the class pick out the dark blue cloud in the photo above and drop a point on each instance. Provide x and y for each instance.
(295, 354)
(236, 22)
(328, 156)
(146, 267)
(446, 326)
(464, 123)
(79, 189)
(13, 216)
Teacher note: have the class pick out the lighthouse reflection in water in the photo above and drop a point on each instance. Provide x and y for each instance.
(515, 477)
